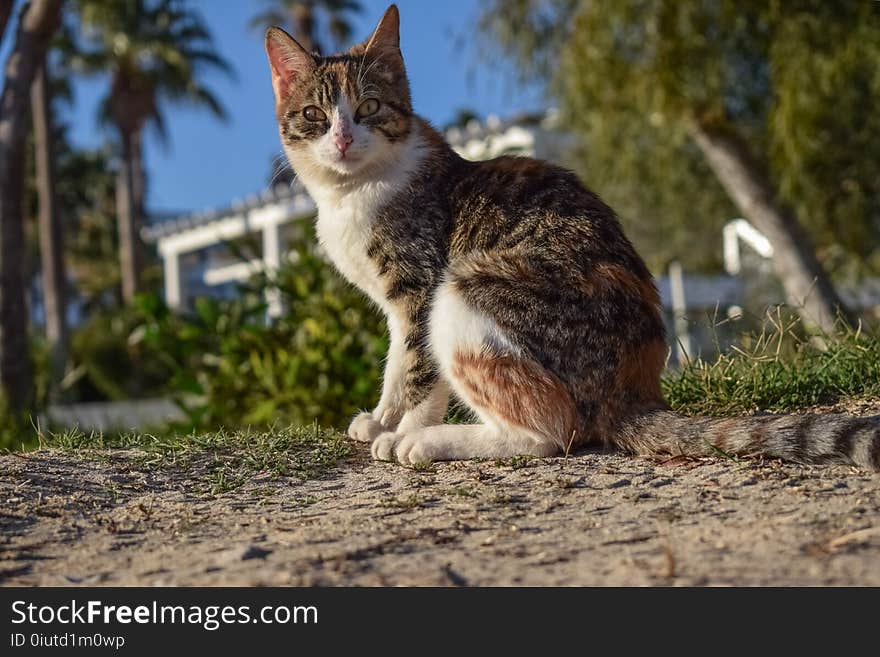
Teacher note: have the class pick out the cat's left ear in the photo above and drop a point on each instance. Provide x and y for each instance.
(384, 43)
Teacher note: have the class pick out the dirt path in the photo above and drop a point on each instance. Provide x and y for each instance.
(593, 519)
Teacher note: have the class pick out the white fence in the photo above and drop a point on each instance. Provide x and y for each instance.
(114, 416)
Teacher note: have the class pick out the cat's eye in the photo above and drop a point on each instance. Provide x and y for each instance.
(367, 108)
(312, 113)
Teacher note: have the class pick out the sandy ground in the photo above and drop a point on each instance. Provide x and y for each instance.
(590, 519)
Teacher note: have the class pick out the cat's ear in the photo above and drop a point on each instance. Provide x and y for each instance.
(387, 32)
(385, 40)
(288, 60)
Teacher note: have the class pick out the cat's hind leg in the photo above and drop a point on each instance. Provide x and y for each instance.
(524, 407)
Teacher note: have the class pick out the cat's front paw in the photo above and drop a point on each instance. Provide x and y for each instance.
(388, 418)
(405, 449)
(365, 428)
(383, 446)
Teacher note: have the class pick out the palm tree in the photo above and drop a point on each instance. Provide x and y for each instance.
(154, 50)
(50, 86)
(54, 275)
(38, 22)
(86, 193)
(301, 17)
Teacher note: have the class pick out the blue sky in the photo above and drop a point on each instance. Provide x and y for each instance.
(208, 163)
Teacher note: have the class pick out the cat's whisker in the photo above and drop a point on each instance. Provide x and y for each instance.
(369, 68)
(358, 77)
(372, 64)
(281, 166)
(362, 73)
(280, 170)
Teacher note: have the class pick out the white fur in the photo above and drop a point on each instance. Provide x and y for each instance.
(429, 411)
(346, 211)
(390, 410)
(456, 441)
(390, 415)
(455, 327)
(344, 228)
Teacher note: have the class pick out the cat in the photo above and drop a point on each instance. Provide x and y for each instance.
(505, 282)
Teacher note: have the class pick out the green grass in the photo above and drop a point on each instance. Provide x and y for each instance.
(221, 460)
(514, 462)
(778, 370)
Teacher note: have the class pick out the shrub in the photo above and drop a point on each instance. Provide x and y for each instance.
(319, 362)
(107, 364)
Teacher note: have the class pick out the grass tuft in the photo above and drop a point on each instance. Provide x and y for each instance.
(224, 460)
(514, 462)
(778, 370)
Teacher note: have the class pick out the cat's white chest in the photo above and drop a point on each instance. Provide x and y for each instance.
(344, 230)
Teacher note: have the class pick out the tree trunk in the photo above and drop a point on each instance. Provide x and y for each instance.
(39, 20)
(806, 283)
(16, 376)
(5, 11)
(304, 27)
(54, 275)
(130, 189)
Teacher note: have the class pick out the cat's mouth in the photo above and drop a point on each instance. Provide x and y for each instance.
(346, 162)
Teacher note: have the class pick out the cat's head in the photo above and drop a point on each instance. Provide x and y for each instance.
(343, 115)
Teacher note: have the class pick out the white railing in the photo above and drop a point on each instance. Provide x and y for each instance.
(740, 230)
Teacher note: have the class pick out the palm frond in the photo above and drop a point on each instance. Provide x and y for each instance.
(155, 49)
(266, 19)
(205, 98)
(161, 127)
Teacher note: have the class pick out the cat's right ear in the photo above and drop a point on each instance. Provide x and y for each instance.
(288, 60)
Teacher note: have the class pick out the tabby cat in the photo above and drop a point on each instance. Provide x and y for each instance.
(505, 282)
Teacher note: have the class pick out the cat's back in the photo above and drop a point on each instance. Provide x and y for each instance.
(526, 202)
(516, 182)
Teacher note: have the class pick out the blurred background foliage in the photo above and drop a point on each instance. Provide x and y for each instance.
(230, 367)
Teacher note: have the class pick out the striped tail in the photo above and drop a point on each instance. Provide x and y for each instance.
(832, 438)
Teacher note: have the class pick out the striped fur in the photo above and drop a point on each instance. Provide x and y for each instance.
(831, 438)
(505, 282)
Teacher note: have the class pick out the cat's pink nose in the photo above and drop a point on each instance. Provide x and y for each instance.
(343, 141)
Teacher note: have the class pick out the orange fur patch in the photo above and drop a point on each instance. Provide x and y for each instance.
(519, 392)
(611, 276)
(638, 374)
